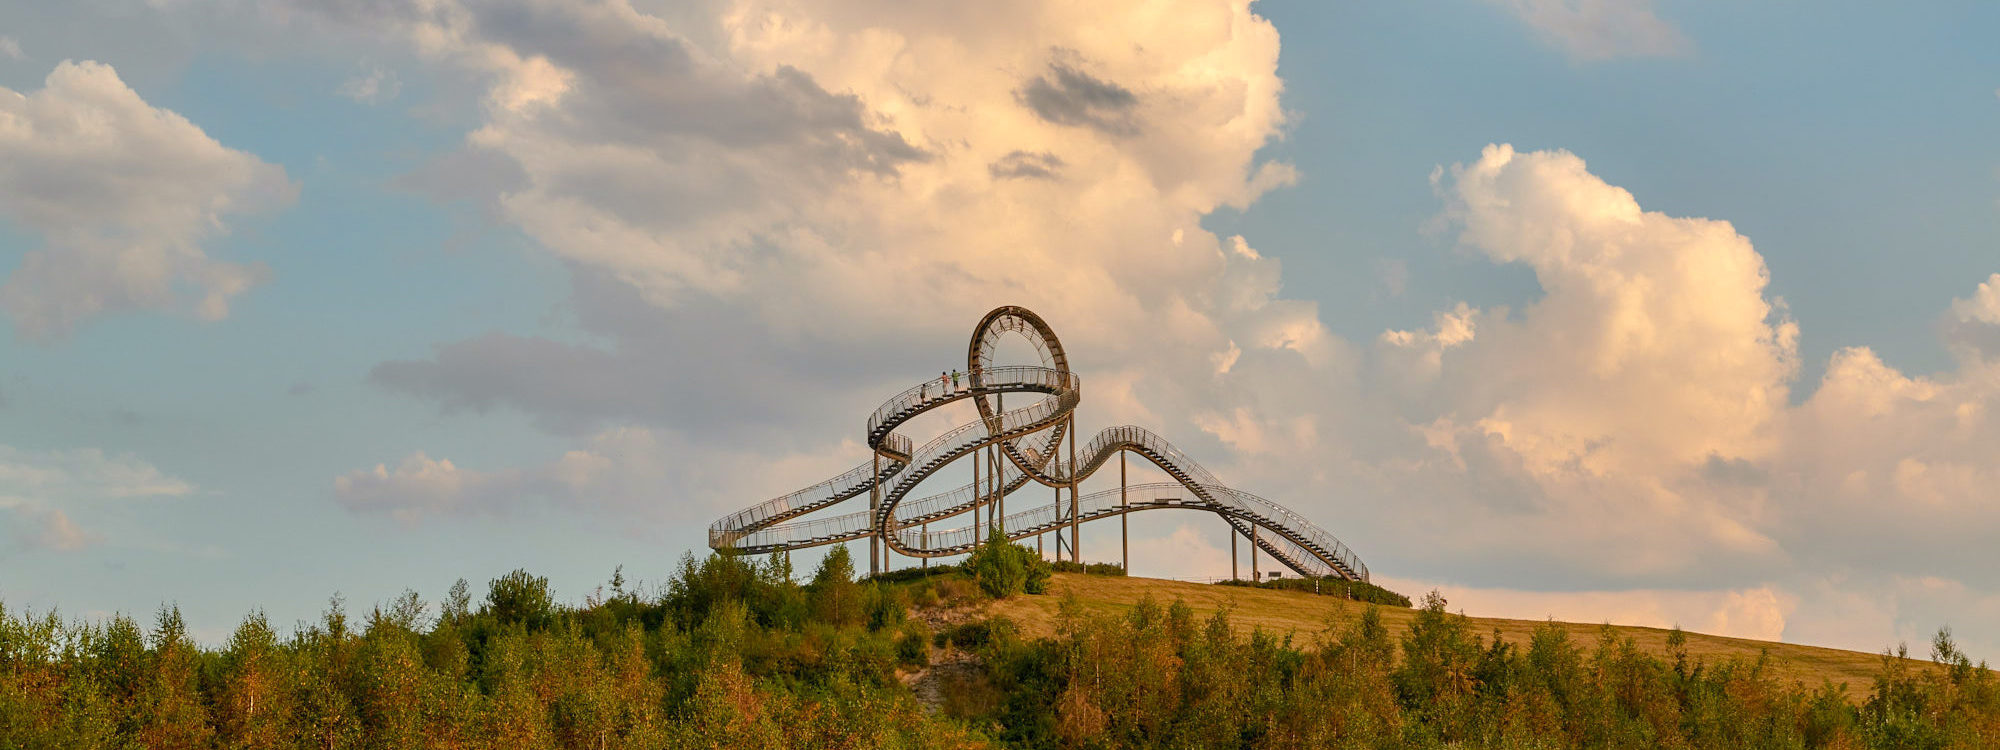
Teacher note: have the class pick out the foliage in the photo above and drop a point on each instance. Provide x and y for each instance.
(1004, 569)
(1156, 676)
(1361, 591)
(731, 652)
(1095, 569)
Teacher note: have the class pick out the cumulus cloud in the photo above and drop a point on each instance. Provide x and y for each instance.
(777, 213)
(123, 194)
(1634, 427)
(1600, 29)
(1589, 414)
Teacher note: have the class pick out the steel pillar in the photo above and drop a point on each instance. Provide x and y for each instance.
(875, 516)
(1075, 528)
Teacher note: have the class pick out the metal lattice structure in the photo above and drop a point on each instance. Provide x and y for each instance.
(1015, 447)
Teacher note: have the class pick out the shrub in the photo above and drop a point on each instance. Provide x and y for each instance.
(1004, 569)
(1094, 569)
(913, 649)
(1360, 591)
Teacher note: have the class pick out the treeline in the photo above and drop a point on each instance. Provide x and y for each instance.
(733, 653)
(730, 654)
(1158, 677)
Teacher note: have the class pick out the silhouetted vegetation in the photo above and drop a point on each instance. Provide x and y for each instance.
(1359, 591)
(732, 652)
(1095, 569)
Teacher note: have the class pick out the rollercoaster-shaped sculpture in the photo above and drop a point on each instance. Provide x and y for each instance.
(1013, 448)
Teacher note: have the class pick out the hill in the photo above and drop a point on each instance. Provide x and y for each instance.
(1305, 616)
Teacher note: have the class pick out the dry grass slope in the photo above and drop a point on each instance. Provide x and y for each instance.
(1305, 616)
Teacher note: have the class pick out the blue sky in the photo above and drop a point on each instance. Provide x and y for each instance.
(492, 263)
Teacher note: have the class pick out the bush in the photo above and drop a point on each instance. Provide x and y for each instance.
(1356, 590)
(1004, 569)
(1093, 569)
(912, 574)
(913, 649)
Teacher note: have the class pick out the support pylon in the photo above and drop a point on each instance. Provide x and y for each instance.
(1075, 528)
(875, 516)
(1253, 553)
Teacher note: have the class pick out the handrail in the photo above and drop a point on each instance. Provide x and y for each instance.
(1029, 435)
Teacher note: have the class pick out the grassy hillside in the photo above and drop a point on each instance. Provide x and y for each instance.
(1305, 616)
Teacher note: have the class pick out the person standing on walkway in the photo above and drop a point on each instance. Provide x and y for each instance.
(954, 380)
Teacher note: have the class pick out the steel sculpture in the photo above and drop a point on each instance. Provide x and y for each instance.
(1012, 448)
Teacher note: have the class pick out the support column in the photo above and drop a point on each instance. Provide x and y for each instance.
(999, 482)
(926, 531)
(977, 495)
(1232, 552)
(1124, 520)
(875, 516)
(1059, 515)
(1075, 524)
(1253, 553)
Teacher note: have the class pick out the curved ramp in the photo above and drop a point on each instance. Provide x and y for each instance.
(1030, 437)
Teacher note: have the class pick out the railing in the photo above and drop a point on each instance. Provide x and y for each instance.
(967, 436)
(1008, 379)
(849, 484)
(851, 525)
(1152, 495)
(1295, 541)
(1330, 546)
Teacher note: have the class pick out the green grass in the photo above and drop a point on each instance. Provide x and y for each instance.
(1306, 615)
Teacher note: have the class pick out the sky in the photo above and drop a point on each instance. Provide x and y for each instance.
(1608, 310)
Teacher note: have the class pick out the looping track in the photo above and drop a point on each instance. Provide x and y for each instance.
(1029, 437)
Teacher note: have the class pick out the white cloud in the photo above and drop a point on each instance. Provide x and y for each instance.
(11, 49)
(1983, 306)
(123, 194)
(81, 474)
(37, 486)
(777, 213)
(1589, 414)
(1601, 29)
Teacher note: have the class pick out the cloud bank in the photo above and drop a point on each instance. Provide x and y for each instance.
(776, 213)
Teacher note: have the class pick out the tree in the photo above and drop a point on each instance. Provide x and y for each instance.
(519, 597)
(835, 597)
(1004, 569)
